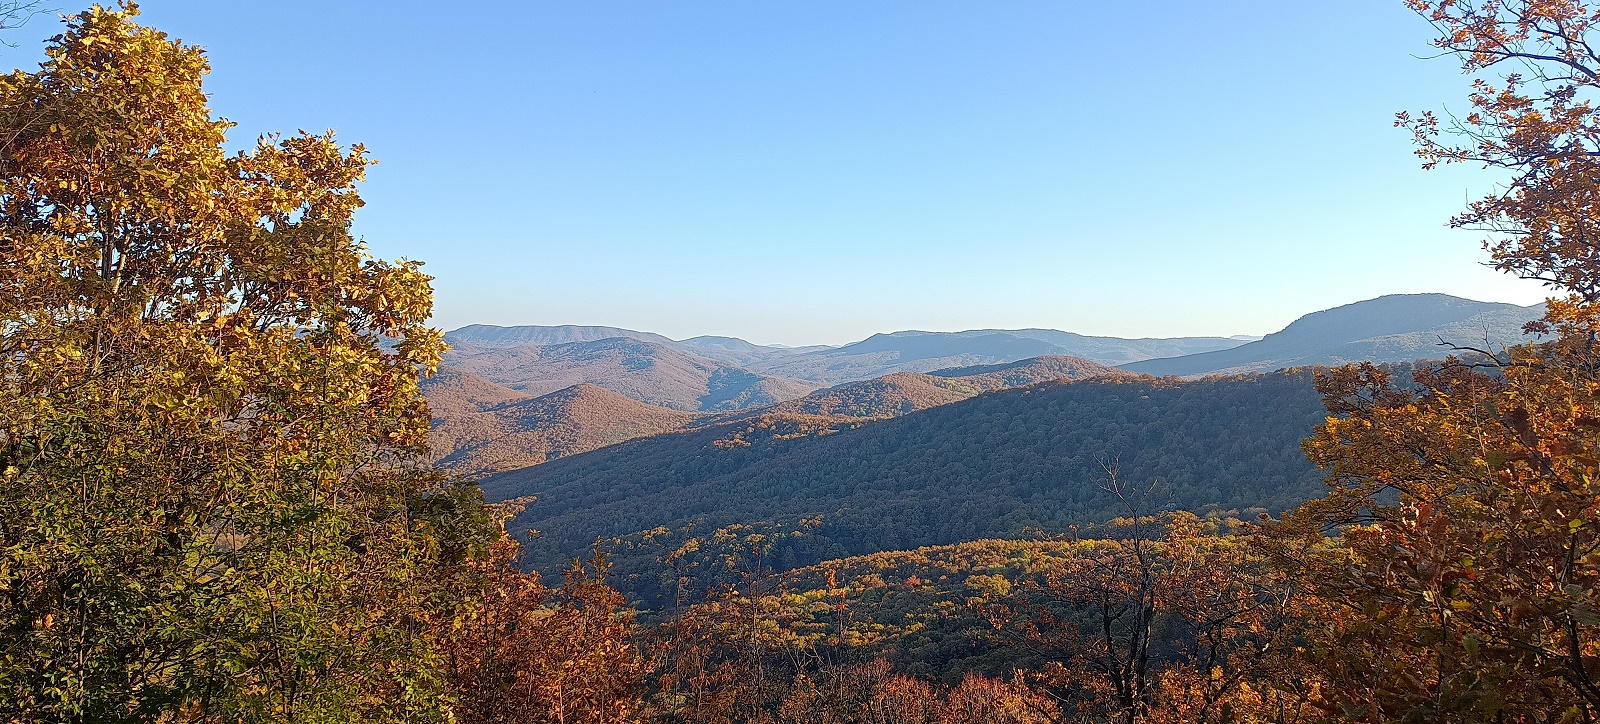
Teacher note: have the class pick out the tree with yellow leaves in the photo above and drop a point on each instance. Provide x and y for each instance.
(208, 405)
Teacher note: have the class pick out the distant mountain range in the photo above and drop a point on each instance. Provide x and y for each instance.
(883, 354)
(481, 428)
(907, 438)
(652, 372)
(726, 350)
(511, 397)
(707, 374)
(1394, 328)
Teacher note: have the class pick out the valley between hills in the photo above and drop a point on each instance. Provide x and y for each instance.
(903, 439)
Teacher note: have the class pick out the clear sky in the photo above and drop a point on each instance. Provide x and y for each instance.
(814, 172)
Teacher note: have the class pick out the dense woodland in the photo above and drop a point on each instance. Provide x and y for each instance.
(1000, 464)
(215, 502)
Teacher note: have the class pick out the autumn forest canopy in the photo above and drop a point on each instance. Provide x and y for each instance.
(219, 501)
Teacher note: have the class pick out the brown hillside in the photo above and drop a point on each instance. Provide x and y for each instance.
(886, 396)
(640, 369)
(481, 428)
(528, 431)
(988, 378)
(838, 408)
(452, 391)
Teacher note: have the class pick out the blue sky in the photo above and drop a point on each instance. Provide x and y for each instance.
(815, 172)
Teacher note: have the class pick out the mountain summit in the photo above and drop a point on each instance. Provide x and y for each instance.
(1393, 328)
(916, 351)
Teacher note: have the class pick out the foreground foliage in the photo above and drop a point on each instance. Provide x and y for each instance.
(208, 395)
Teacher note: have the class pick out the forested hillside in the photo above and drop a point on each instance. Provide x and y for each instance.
(650, 372)
(902, 393)
(481, 428)
(894, 394)
(477, 433)
(995, 465)
(1029, 371)
(927, 610)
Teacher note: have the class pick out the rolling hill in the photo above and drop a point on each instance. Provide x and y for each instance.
(735, 351)
(994, 465)
(988, 378)
(452, 391)
(887, 396)
(902, 393)
(647, 371)
(1394, 328)
(481, 428)
(477, 432)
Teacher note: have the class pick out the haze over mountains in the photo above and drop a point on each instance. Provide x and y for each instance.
(481, 428)
(649, 371)
(708, 374)
(1393, 328)
(511, 397)
(914, 351)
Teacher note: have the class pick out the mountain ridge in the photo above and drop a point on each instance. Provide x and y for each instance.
(647, 371)
(917, 370)
(481, 428)
(1391, 328)
(475, 434)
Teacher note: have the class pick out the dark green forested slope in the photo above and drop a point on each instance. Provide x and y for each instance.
(993, 466)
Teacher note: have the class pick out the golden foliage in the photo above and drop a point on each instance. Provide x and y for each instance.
(208, 398)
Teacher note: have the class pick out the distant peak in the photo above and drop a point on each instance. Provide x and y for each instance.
(533, 334)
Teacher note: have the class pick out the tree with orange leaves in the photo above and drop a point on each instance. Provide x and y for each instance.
(522, 653)
(1161, 623)
(1534, 121)
(1462, 586)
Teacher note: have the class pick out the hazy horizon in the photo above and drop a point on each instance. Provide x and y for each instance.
(838, 343)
